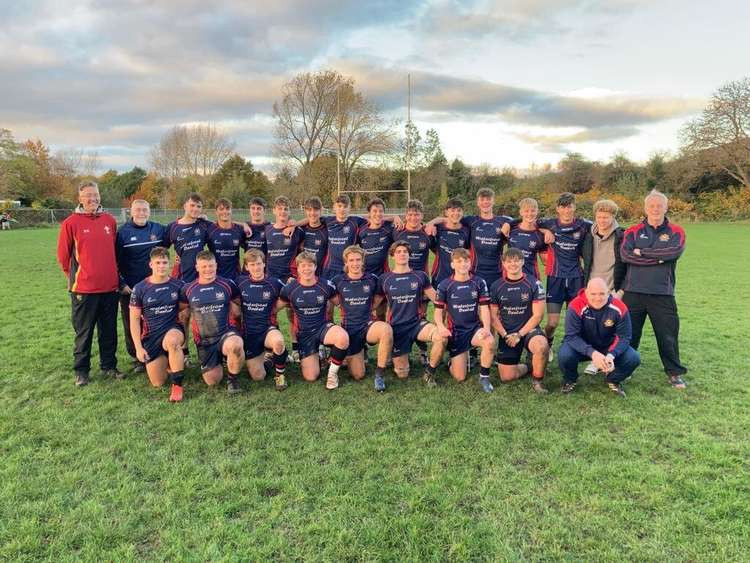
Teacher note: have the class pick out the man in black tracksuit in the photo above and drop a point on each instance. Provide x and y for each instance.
(651, 250)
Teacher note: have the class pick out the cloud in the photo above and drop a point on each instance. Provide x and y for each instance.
(557, 143)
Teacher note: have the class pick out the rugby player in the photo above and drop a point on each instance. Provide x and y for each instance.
(464, 300)
(405, 290)
(414, 234)
(527, 237)
(449, 235)
(375, 238)
(314, 233)
(260, 331)
(357, 293)
(257, 238)
(135, 240)
(214, 306)
(563, 264)
(517, 309)
(307, 296)
(225, 239)
(155, 328)
(597, 328)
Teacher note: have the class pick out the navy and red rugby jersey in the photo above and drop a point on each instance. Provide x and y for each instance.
(257, 240)
(376, 242)
(281, 252)
(308, 303)
(461, 301)
(210, 308)
(564, 255)
(356, 297)
(419, 247)
(257, 300)
(514, 299)
(606, 330)
(444, 243)
(315, 241)
(531, 243)
(653, 271)
(486, 243)
(133, 247)
(404, 294)
(340, 235)
(188, 240)
(226, 244)
(159, 304)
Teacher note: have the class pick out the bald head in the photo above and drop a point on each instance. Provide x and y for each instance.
(597, 292)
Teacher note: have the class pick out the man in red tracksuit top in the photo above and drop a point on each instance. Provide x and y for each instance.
(86, 253)
(651, 249)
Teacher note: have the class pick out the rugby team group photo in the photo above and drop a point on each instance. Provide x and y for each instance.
(356, 290)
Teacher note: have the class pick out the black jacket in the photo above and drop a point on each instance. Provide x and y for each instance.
(653, 270)
(587, 251)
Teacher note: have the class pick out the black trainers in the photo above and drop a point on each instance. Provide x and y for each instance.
(82, 379)
(568, 387)
(137, 367)
(113, 373)
(429, 379)
(617, 389)
(233, 386)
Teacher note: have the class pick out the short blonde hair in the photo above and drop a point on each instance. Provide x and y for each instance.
(606, 206)
(305, 257)
(528, 202)
(353, 249)
(253, 255)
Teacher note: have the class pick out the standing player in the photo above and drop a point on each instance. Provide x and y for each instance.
(188, 235)
(527, 237)
(257, 239)
(314, 233)
(156, 331)
(414, 234)
(464, 300)
(563, 265)
(225, 239)
(375, 238)
(405, 290)
(214, 306)
(449, 235)
(357, 293)
(307, 296)
(517, 309)
(135, 240)
(260, 332)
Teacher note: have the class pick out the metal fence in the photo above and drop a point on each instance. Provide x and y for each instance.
(27, 217)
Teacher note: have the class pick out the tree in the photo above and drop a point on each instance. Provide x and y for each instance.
(17, 170)
(359, 130)
(235, 190)
(254, 181)
(304, 115)
(575, 173)
(117, 189)
(720, 136)
(195, 151)
(432, 152)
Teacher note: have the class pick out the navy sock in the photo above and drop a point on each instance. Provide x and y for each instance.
(177, 377)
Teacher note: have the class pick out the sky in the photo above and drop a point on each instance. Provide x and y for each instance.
(504, 82)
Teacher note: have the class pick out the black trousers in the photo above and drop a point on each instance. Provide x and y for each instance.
(662, 311)
(125, 314)
(91, 310)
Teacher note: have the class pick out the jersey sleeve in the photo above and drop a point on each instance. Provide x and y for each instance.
(233, 289)
(545, 223)
(468, 220)
(359, 222)
(136, 297)
(484, 293)
(329, 287)
(539, 294)
(184, 294)
(380, 286)
(285, 291)
(441, 293)
(494, 292)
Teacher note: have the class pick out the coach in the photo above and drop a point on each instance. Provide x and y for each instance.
(597, 328)
(86, 253)
(651, 250)
(135, 240)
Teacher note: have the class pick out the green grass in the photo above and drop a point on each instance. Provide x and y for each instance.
(114, 472)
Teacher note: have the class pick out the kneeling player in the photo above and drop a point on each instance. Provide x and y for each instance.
(357, 294)
(258, 296)
(405, 291)
(517, 309)
(154, 325)
(465, 300)
(214, 311)
(308, 297)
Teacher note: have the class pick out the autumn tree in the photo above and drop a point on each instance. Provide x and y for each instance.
(191, 151)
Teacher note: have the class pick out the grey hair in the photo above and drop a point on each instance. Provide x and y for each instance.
(656, 193)
(88, 184)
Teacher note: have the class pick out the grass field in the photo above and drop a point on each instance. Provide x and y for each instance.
(113, 471)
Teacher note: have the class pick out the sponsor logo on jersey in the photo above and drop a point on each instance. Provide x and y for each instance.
(474, 294)
(197, 231)
(524, 297)
(422, 245)
(266, 295)
(576, 235)
(173, 295)
(219, 295)
(347, 229)
(414, 285)
(532, 244)
(320, 298)
(318, 242)
(366, 288)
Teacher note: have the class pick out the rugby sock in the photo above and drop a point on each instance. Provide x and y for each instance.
(378, 371)
(177, 377)
(337, 358)
(484, 371)
(430, 369)
(295, 346)
(279, 362)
